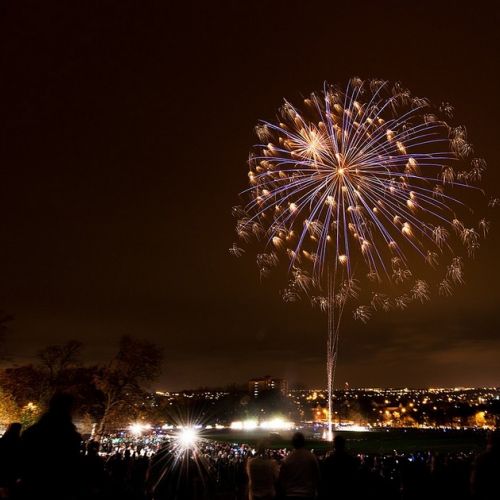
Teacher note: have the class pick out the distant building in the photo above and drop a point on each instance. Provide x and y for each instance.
(257, 386)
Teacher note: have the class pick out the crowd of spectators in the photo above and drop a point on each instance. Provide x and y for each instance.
(49, 460)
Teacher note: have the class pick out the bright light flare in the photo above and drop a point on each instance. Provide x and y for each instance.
(138, 428)
(187, 437)
(275, 424)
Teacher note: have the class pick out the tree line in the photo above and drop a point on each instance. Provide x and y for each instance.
(108, 395)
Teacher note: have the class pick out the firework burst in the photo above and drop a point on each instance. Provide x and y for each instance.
(364, 192)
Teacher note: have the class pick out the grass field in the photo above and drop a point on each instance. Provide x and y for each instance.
(379, 441)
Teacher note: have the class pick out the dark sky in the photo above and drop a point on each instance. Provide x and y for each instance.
(125, 132)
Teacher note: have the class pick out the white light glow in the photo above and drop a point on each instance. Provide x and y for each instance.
(187, 437)
(275, 424)
(138, 428)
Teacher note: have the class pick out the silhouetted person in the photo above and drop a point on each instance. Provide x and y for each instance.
(94, 478)
(115, 466)
(438, 477)
(485, 478)
(10, 447)
(415, 480)
(50, 450)
(299, 474)
(370, 482)
(138, 477)
(339, 472)
(262, 474)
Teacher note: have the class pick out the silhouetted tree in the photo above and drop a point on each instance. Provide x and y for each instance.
(136, 363)
(26, 383)
(9, 411)
(58, 360)
(32, 386)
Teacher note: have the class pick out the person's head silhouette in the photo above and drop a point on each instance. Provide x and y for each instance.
(62, 404)
(298, 440)
(339, 443)
(261, 448)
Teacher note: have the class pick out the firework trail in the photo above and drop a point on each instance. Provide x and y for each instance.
(365, 194)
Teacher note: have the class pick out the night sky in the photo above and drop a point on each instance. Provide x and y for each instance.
(125, 132)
